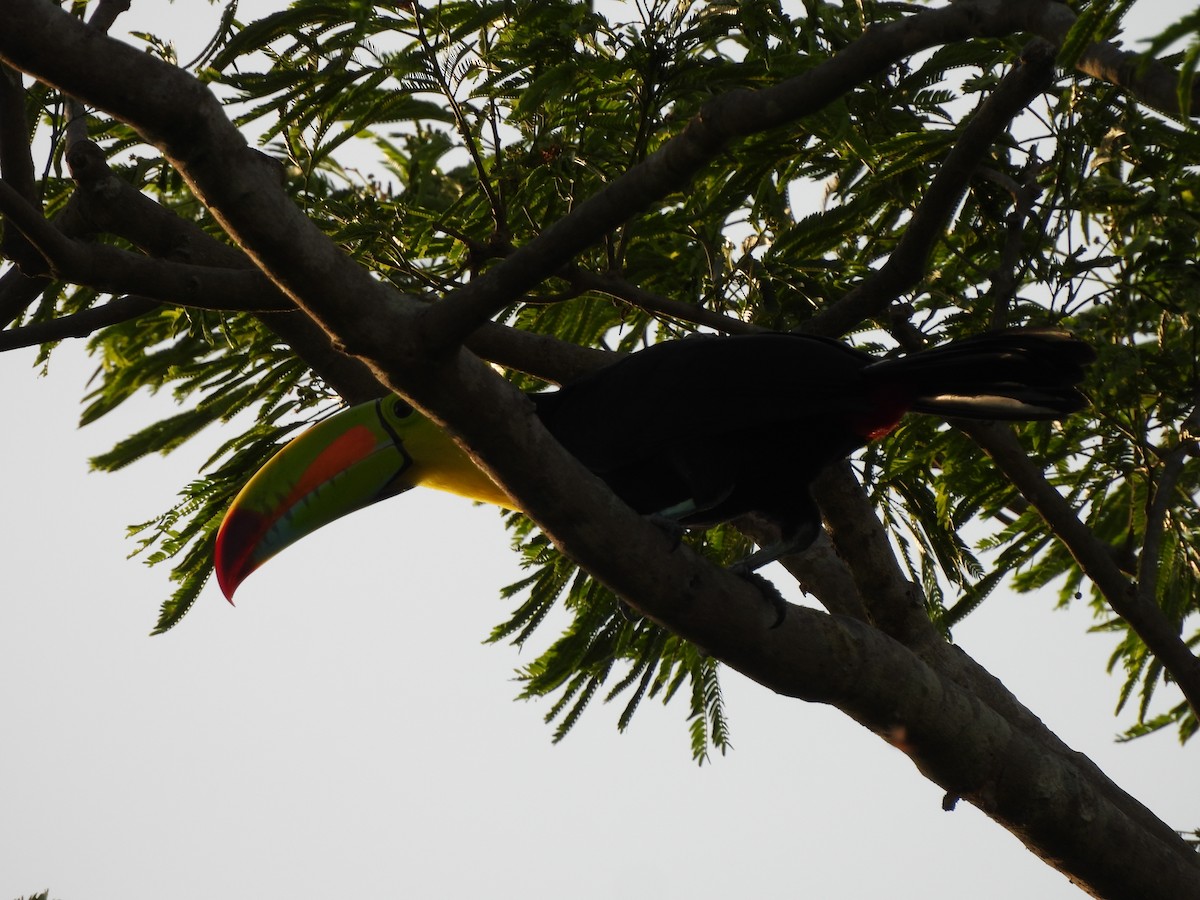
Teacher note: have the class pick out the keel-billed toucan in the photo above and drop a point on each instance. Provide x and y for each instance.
(699, 430)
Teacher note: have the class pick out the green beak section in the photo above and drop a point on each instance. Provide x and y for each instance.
(349, 461)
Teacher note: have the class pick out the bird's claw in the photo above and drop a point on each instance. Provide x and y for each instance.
(766, 588)
(670, 527)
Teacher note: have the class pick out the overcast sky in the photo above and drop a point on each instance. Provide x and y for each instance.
(345, 730)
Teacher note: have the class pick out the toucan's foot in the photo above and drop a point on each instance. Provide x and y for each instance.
(797, 541)
(766, 588)
(761, 557)
(670, 527)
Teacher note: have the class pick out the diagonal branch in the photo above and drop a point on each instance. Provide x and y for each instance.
(906, 266)
(111, 205)
(1142, 613)
(896, 606)
(1150, 81)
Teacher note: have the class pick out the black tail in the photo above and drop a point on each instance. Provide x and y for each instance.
(1022, 373)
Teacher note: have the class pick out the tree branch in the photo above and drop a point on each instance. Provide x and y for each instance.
(906, 266)
(1003, 277)
(121, 272)
(896, 606)
(16, 159)
(80, 324)
(111, 205)
(1143, 615)
(1151, 82)
(615, 286)
(17, 290)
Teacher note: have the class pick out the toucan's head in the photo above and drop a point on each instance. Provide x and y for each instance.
(358, 457)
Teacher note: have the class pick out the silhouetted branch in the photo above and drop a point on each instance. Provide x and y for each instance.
(16, 159)
(1003, 276)
(895, 605)
(1151, 82)
(117, 271)
(1142, 614)
(656, 304)
(905, 267)
(81, 324)
(1162, 500)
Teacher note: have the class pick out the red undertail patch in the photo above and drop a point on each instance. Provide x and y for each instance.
(888, 404)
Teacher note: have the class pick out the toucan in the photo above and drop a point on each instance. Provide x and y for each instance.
(695, 431)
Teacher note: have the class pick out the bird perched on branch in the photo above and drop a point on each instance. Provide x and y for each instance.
(697, 431)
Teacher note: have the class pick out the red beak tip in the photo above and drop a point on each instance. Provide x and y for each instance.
(233, 554)
(229, 580)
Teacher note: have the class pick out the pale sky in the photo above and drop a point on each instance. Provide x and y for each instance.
(344, 730)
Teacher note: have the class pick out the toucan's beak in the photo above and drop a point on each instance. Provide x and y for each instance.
(358, 457)
(349, 461)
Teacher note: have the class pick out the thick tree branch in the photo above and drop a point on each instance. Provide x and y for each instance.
(16, 158)
(242, 187)
(821, 572)
(895, 605)
(121, 272)
(17, 289)
(1150, 81)
(17, 293)
(1000, 770)
(192, 268)
(540, 355)
(111, 205)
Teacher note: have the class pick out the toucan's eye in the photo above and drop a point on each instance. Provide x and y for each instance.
(400, 409)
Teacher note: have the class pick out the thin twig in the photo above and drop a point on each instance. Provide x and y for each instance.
(1003, 278)
(615, 286)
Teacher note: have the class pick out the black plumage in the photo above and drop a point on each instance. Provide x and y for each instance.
(706, 429)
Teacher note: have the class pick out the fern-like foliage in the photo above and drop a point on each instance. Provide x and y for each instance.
(604, 641)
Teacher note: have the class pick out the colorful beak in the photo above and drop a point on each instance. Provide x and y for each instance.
(351, 460)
